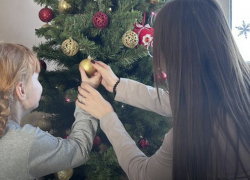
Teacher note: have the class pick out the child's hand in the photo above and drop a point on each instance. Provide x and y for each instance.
(93, 81)
(92, 101)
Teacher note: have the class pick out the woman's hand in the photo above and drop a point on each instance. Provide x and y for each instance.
(92, 102)
(93, 81)
(108, 77)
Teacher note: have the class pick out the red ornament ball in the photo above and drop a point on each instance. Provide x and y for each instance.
(143, 143)
(96, 141)
(100, 20)
(162, 76)
(46, 14)
(145, 34)
(43, 65)
(67, 99)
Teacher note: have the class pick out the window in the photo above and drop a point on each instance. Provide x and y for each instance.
(240, 24)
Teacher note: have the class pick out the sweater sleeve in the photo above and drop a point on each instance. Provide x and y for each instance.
(49, 154)
(145, 97)
(133, 161)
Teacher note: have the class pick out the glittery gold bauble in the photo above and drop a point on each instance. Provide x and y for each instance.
(87, 66)
(46, 25)
(44, 124)
(64, 175)
(65, 7)
(154, 1)
(69, 47)
(130, 39)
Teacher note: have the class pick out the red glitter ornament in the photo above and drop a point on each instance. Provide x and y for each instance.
(46, 14)
(100, 20)
(67, 133)
(67, 99)
(43, 65)
(96, 141)
(143, 143)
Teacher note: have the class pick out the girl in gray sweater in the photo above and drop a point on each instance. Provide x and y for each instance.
(28, 152)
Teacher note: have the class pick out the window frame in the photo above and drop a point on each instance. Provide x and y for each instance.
(230, 14)
(230, 22)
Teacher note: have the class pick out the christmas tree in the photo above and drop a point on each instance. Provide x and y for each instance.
(117, 32)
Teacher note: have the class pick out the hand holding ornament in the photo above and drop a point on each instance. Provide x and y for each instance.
(108, 77)
(87, 66)
(92, 101)
(93, 81)
(89, 74)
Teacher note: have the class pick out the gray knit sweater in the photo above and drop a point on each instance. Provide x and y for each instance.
(28, 152)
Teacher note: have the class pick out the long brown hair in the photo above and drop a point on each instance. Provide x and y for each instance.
(209, 85)
(17, 64)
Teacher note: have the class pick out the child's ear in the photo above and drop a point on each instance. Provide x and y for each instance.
(20, 91)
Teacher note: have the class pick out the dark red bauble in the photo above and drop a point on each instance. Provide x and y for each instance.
(43, 65)
(162, 76)
(46, 14)
(96, 141)
(100, 20)
(143, 143)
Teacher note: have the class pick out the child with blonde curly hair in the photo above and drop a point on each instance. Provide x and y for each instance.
(28, 152)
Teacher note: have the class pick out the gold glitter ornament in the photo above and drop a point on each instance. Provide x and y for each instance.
(130, 39)
(46, 25)
(64, 175)
(69, 47)
(65, 7)
(44, 124)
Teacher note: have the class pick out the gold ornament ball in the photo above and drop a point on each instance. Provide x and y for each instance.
(154, 1)
(65, 7)
(44, 124)
(69, 47)
(46, 25)
(87, 66)
(64, 175)
(130, 39)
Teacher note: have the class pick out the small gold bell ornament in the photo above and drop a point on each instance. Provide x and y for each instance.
(64, 174)
(65, 7)
(87, 66)
(44, 124)
(46, 25)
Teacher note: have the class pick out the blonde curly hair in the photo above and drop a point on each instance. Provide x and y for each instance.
(17, 64)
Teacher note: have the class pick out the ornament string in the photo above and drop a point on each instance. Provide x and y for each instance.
(143, 20)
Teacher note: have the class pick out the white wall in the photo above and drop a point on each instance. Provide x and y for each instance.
(18, 21)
